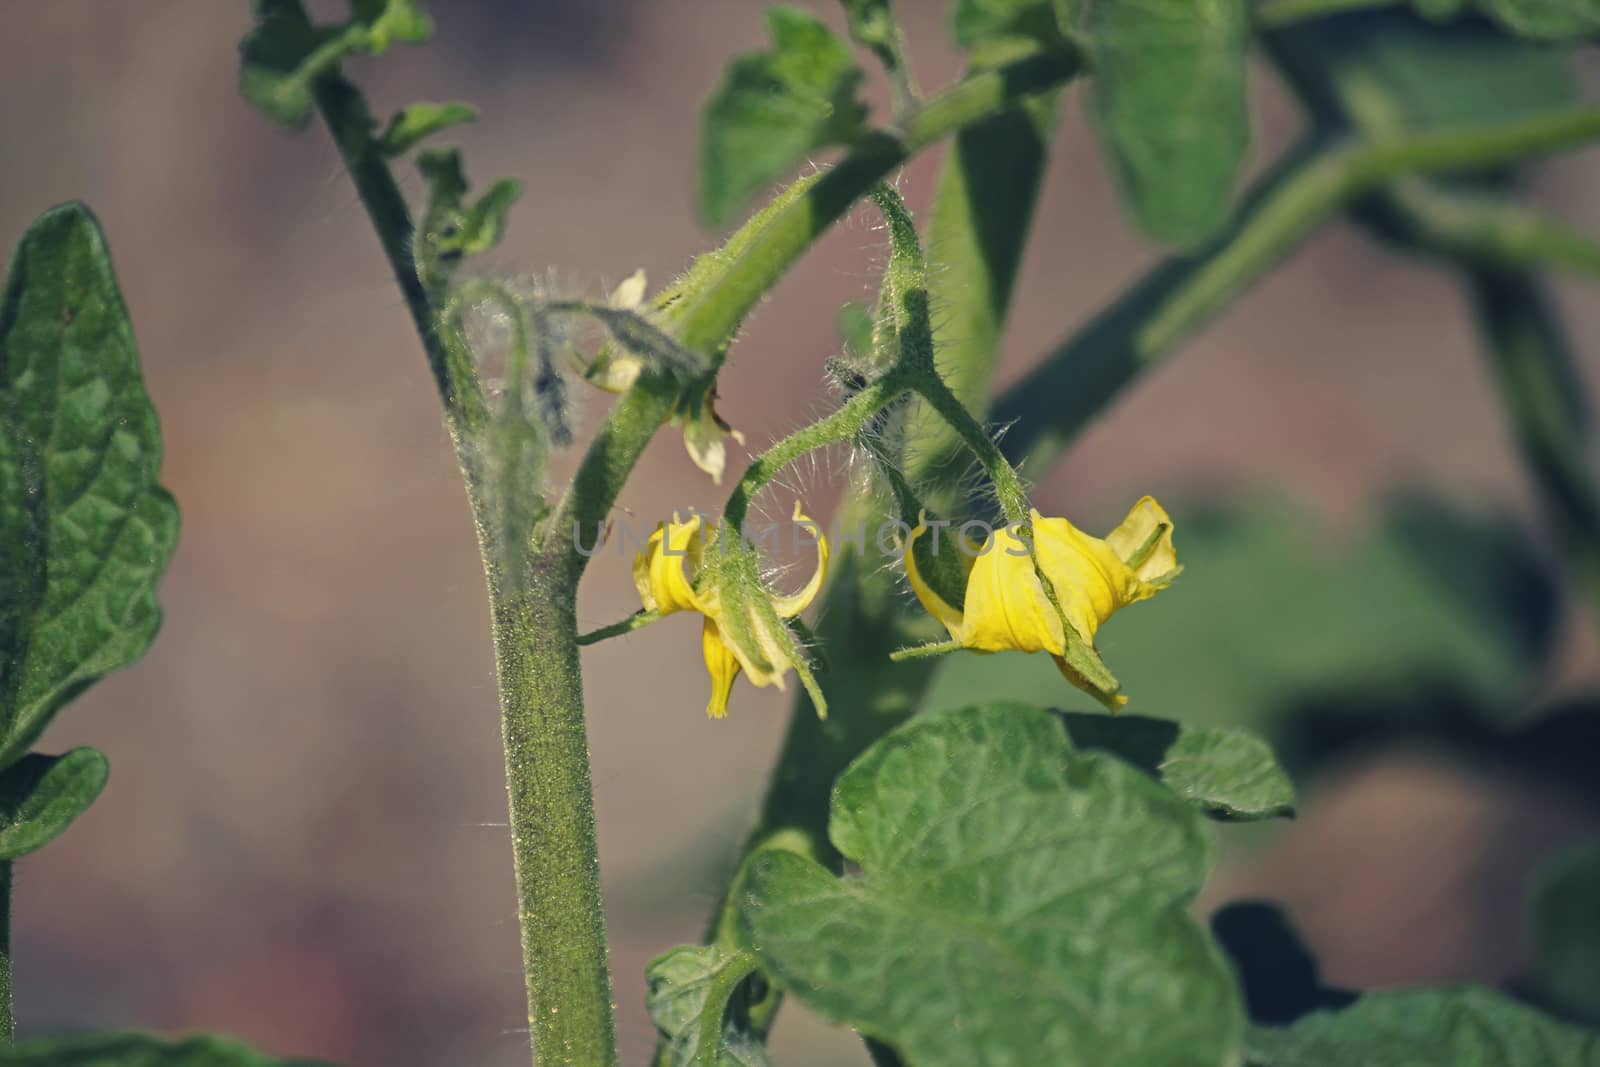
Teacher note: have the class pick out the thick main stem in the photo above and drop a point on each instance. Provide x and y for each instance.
(533, 610)
(570, 1013)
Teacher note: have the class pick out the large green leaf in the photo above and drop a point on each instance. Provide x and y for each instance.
(88, 527)
(1018, 902)
(773, 108)
(1566, 934)
(1228, 774)
(1169, 97)
(41, 795)
(1273, 608)
(697, 997)
(139, 1050)
(285, 52)
(1426, 1028)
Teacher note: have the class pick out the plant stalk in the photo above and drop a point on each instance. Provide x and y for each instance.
(571, 1017)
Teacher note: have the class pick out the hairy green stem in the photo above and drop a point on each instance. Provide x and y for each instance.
(551, 797)
(844, 424)
(705, 319)
(534, 621)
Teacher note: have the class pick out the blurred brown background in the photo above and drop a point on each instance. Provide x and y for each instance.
(303, 839)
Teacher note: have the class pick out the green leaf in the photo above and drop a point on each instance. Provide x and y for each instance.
(1566, 934)
(1421, 1027)
(1018, 902)
(88, 527)
(976, 21)
(451, 227)
(139, 1050)
(1387, 71)
(416, 121)
(698, 996)
(773, 108)
(1228, 774)
(285, 53)
(1169, 100)
(41, 795)
(1275, 608)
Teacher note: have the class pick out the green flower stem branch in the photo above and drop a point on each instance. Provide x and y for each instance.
(534, 613)
(1312, 185)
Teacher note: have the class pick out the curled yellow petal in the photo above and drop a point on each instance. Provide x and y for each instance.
(792, 604)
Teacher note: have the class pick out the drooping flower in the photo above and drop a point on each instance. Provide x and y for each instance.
(1007, 608)
(704, 431)
(677, 572)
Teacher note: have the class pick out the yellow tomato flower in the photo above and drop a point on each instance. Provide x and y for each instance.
(672, 574)
(1006, 607)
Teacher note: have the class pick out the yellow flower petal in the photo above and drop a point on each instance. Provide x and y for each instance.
(661, 572)
(1090, 582)
(1006, 607)
(721, 664)
(792, 604)
(615, 371)
(630, 294)
(704, 438)
(934, 604)
(1146, 533)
